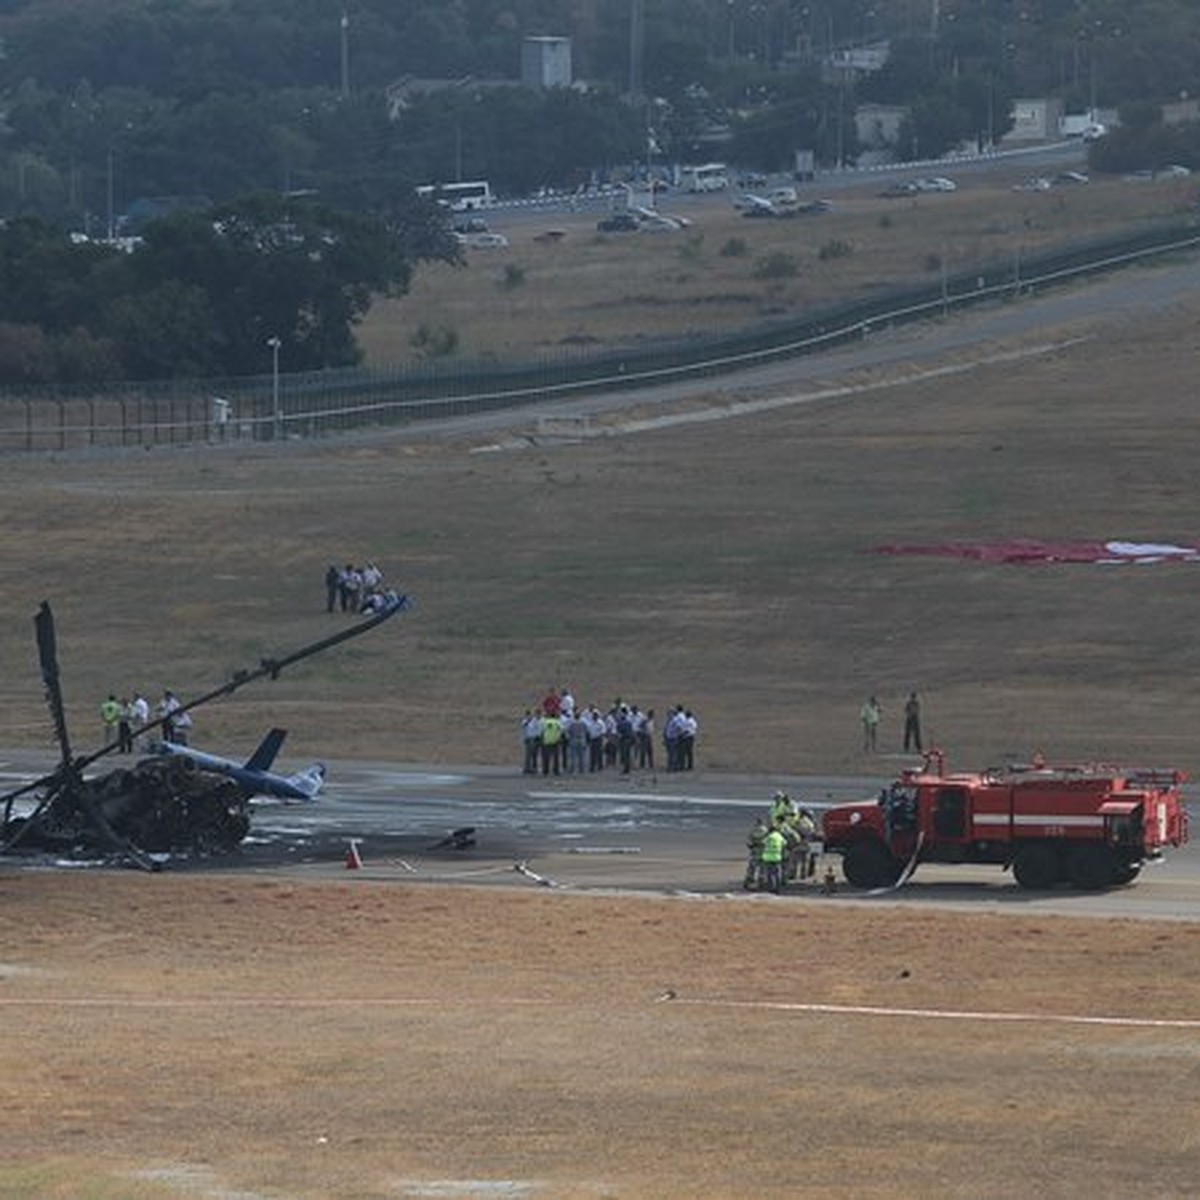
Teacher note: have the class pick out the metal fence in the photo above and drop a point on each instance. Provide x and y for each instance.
(270, 408)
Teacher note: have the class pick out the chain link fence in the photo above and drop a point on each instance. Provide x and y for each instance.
(272, 408)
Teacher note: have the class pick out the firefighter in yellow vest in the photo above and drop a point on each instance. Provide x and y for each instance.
(754, 842)
(806, 827)
(773, 849)
(782, 808)
(791, 848)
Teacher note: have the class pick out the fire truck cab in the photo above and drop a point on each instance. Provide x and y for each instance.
(1090, 826)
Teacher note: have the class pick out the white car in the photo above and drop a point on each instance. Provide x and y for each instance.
(935, 183)
(482, 241)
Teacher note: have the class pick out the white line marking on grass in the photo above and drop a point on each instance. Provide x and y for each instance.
(949, 1014)
(228, 1002)
(840, 1010)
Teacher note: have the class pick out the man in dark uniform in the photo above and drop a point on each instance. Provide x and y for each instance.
(912, 723)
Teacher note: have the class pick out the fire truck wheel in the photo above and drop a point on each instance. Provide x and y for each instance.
(869, 865)
(1037, 866)
(1126, 873)
(1090, 867)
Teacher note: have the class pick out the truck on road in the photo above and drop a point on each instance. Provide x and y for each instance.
(1091, 826)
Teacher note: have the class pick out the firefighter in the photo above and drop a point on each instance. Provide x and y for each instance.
(806, 827)
(771, 858)
(782, 808)
(793, 849)
(754, 844)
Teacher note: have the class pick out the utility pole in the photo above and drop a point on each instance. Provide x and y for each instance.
(112, 224)
(345, 24)
(274, 343)
(637, 45)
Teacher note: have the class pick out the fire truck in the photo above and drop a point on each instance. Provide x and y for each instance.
(1091, 826)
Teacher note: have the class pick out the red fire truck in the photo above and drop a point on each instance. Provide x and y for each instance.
(1092, 826)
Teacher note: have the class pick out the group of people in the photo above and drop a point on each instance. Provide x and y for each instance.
(124, 719)
(562, 737)
(871, 714)
(352, 589)
(781, 846)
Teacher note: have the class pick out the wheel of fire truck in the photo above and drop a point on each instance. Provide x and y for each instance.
(869, 865)
(1037, 866)
(1090, 868)
(1126, 873)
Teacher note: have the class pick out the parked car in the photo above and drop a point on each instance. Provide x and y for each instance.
(618, 222)
(935, 183)
(482, 241)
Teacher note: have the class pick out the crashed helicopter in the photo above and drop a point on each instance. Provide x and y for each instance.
(162, 807)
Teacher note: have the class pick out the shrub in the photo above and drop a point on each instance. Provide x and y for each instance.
(434, 341)
(778, 265)
(835, 248)
(513, 277)
(735, 247)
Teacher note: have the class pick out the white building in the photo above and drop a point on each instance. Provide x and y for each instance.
(546, 62)
(1035, 120)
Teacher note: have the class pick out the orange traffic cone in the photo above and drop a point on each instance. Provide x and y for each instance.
(353, 858)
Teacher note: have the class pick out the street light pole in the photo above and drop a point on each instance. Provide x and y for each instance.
(275, 344)
(345, 47)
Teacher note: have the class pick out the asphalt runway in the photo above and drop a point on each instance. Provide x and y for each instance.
(658, 833)
(661, 833)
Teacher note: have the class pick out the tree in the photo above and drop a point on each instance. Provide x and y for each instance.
(268, 267)
(203, 292)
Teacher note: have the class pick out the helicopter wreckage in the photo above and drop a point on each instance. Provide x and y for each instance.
(159, 808)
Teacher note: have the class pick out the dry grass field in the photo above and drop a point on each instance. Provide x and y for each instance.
(222, 1038)
(590, 289)
(270, 1037)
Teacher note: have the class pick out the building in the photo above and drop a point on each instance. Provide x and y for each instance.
(877, 127)
(1035, 120)
(546, 62)
(1181, 111)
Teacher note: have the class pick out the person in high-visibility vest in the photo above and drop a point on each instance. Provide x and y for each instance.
(806, 827)
(782, 808)
(552, 732)
(773, 847)
(754, 844)
(110, 714)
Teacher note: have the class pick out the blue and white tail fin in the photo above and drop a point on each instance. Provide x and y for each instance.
(268, 748)
(309, 781)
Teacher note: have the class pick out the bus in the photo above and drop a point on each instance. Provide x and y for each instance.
(708, 177)
(459, 197)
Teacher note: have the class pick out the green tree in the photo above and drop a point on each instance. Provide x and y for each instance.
(267, 267)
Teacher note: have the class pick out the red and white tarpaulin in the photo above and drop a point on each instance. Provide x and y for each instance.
(1027, 550)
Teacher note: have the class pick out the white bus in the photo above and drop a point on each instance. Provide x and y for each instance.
(459, 197)
(708, 177)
